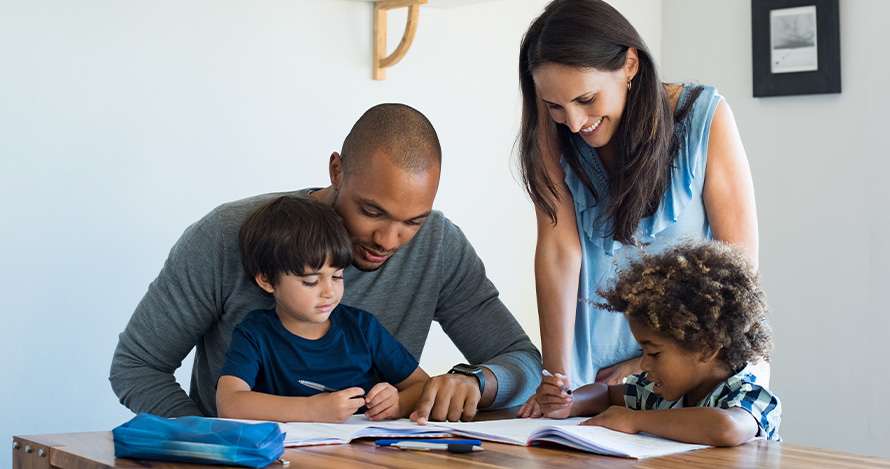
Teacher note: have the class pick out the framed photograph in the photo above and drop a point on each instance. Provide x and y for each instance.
(796, 47)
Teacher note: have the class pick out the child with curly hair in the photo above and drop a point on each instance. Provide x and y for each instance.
(699, 315)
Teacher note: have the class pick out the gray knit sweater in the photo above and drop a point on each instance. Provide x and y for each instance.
(202, 293)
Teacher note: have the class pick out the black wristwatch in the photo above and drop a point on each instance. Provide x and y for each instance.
(470, 370)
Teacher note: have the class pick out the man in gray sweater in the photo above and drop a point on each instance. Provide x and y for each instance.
(412, 266)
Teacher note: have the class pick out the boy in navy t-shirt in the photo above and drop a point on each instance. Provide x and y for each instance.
(296, 249)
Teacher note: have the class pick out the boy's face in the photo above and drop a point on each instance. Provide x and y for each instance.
(382, 207)
(676, 371)
(304, 302)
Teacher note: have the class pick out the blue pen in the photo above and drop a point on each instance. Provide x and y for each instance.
(420, 440)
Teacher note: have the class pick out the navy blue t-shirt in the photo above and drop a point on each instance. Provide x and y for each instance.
(356, 351)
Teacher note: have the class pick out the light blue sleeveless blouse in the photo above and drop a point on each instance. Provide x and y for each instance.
(603, 338)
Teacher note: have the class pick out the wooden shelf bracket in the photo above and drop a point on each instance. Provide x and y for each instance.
(381, 63)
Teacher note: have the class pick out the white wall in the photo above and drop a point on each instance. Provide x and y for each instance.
(820, 168)
(121, 122)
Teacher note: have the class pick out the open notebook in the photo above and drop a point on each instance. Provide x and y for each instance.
(568, 433)
(525, 432)
(358, 426)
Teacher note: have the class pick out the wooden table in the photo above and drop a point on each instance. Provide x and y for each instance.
(96, 450)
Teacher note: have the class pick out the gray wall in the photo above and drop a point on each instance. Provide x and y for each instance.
(820, 168)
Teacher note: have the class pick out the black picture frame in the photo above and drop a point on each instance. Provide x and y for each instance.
(797, 60)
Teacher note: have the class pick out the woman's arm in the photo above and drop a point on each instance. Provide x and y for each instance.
(699, 425)
(729, 189)
(557, 272)
(234, 399)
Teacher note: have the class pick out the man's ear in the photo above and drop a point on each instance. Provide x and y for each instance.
(264, 283)
(335, 170)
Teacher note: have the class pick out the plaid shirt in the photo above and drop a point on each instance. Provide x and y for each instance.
(737, 391)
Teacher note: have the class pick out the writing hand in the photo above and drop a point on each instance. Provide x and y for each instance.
(383, 402)
(553, 400)
(338, 406)
(449, 397)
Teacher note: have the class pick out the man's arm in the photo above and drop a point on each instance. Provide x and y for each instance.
(487, 334)
(172, 316)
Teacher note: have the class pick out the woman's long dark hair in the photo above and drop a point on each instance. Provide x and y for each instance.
(590, 34)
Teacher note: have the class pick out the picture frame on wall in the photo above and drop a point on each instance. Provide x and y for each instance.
(795, 47)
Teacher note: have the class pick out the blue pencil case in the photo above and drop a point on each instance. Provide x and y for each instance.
(199, 440)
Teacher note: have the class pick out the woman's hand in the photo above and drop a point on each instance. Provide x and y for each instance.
(530, 409)
(555, 402)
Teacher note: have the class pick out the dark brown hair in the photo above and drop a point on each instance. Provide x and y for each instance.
(590, 34)
(403, 133)
(289, 234)
(705, 295)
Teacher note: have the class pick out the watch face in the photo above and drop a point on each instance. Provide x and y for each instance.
(470, 370)
(466, 369)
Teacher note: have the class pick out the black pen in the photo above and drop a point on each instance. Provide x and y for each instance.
(450, 447)
(316, 386)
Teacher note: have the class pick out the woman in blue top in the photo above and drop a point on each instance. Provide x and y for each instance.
(615, 161)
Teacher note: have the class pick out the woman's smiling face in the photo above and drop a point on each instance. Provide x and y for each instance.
(589, 102)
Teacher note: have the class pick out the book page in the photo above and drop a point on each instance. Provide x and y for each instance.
(511, 431)
(358, 426)
(605, 441)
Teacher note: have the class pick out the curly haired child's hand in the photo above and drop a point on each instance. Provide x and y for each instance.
(616, 417)
(555, 403)
(383, 402)
(338, 406)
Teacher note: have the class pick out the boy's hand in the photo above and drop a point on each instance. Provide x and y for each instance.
(553, 401)
(616, 417)
(338, 406)
(383, 402)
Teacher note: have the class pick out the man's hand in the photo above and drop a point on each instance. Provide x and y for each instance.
(616, 373)
(383, 402)
(449, 397)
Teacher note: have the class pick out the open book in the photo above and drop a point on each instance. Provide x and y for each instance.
(567, 432)
(358, 426)
(524, 432)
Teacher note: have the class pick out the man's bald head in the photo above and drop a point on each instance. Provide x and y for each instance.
(398, 131)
